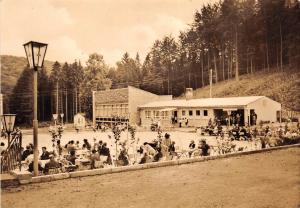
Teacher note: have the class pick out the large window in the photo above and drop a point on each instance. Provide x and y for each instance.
(183, 112)
(205, 113)
(190, 113)
(148, 114)
(198, 113)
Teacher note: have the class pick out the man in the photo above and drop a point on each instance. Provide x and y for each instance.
(166, 142)
(52, 164)
(26, 153)
(45, 154)
(192, 146)
(204, 147)
(105, 152)
(95, 156)
(172, 150)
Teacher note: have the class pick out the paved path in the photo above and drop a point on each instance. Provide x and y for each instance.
(263, 180)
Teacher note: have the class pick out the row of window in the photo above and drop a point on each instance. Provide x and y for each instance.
(109, 110)
(191, 113)
(165, 114)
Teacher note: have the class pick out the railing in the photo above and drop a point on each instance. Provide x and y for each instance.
(11, 158)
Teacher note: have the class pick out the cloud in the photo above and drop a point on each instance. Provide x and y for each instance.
(26, 20)
(64, 49)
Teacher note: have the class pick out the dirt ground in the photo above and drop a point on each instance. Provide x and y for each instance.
(266, 180)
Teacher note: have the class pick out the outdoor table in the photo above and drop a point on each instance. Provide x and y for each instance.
(83, 163)
(43, 163)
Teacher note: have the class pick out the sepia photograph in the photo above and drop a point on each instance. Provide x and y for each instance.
(150, 103)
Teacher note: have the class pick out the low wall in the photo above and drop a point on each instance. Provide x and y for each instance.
(103, 171)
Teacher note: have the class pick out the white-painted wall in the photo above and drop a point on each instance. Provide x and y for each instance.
(266, 109)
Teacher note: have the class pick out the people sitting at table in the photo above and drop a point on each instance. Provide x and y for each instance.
(52, 164)
(87, 144)
(45, 154)
(72, 157)
(29, 160)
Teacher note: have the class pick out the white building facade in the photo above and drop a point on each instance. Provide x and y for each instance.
(197, 112)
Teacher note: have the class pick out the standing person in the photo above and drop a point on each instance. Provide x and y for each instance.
(100, 145)
(166, 142)
(58, 148)
(186, 122)
(238, 118)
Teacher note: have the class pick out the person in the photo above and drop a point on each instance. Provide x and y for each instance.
(172, 150)
(71, 146)
(58, 147)
(88, 145)
(26, 153)
(95, 156)
(123, 156)
(166, 142)
(100, 145)
(204, 147)
(192, 146)
(45, 154)
(105, 152)
(147, 148)
(72, 157)
(186, 122)
(51, 164)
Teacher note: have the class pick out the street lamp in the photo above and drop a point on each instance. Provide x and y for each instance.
(35, 53)
(8, 122)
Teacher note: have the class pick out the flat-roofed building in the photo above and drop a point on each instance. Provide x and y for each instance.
(121, 104)
(241, 110)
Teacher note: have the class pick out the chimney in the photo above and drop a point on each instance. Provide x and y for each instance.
(189, 93)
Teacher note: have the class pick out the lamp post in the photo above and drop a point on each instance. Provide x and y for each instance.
(35, 53)
(8, 122)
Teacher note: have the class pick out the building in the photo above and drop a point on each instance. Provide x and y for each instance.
(79, 121)
(121, 104)
(197, 112)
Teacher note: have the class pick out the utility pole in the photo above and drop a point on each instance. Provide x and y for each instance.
(57, 97)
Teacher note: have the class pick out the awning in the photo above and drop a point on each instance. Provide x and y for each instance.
(167, 109)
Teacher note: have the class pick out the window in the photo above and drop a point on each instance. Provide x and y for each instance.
(156, 114)
(197, 112)
(183, 113)
(148, 114)
(205, 113)
(190, 113)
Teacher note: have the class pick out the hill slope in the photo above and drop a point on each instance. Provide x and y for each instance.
(284, 87)
(11, 69)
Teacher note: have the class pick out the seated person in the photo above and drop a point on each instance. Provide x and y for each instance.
(105, 152)
(204, 147)
(51, 164)
(29, 160)
(145, 159)
(71, 146)
(147, 148)
(172, 149)
(87, 144)
(45, 154)
(26, 153)
(192, 146)
(72, 157)
(94, 157)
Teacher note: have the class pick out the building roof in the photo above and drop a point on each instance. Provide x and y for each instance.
(204, 102)
(111, 96)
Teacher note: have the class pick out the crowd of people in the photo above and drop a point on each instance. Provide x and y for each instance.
(77, 155)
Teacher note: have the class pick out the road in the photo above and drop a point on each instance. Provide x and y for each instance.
(262, 180)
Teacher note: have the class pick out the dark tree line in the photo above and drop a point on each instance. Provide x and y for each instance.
(231, 37)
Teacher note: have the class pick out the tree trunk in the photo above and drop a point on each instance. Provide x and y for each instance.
(251, 60)
(66, 116)
(223, 64)
(247, 63)
(236, 56)
(281, 67)
(216, 70)
(57, 97)
(202, 71)
(76, 101)
(267, 55)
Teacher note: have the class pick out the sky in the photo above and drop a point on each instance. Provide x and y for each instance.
(76, 28)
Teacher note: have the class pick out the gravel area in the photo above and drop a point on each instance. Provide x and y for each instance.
(270, 179)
